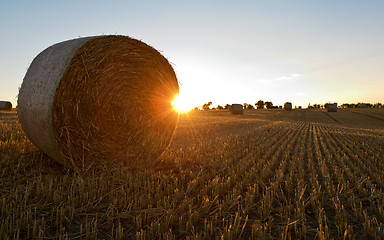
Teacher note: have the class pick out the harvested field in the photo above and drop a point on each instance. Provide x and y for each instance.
(101, 100)
(267, 174)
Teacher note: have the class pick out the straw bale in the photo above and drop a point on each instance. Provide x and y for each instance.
(332, 107)
(237, 109)
(99, 100)
(288, 106)
(5, 105)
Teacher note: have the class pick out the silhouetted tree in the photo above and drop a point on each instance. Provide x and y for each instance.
(345, 105)
(227, 106)
(268, 105)
(377, 105)
(206, 106)
(259, 104)
(219, 107)
(250, 107)
(316, 105)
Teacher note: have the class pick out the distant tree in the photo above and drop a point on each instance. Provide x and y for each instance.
(227, 106)
(377, 105)
(346, 105)
(219, 107)
(248, 106)
(206, 105)
(259, 104)
(316, 105)
(362, 105)
(268, 105)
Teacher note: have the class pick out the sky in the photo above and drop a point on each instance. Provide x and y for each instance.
(301, 51)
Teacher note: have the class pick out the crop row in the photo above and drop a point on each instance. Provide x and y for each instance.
(264, 175)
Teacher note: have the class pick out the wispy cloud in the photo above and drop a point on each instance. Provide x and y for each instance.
(289, 77)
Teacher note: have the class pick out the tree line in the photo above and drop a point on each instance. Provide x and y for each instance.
(269, 105)
(350, 105)
(258, 105)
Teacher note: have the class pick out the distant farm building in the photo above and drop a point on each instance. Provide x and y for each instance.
(332, 107)
(4, 105)
(236, 109)
(288, 106)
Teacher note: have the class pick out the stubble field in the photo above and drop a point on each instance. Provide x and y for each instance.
(268, 174)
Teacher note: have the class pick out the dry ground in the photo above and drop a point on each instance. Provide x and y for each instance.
(268, 174)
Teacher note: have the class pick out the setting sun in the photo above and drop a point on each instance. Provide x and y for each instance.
(182, 104)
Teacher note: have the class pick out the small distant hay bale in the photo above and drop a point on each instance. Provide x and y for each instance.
(5, 105)
(332, 107)
(99, 100)
(288, 106)
(237, 109)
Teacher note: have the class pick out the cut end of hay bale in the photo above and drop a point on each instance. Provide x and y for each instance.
(288, 106)
(237, 109)
(112, 104)
(332, 107)
(5, 105)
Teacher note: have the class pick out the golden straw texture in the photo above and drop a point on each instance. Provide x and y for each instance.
(113, 104)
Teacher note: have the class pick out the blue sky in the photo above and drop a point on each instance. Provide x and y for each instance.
(222, 51)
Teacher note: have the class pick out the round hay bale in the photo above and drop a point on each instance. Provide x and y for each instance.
(288, 106)
(236, 109)
(332, 107)
(5, 105)
(97, 100)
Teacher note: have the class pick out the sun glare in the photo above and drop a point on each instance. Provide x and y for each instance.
(181, 104)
